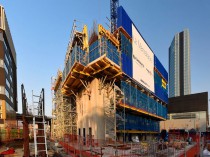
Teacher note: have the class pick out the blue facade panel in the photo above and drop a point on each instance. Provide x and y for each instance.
(160, 68)
(127, 65)
(138, 99)
(124, 20)
(159, 92)
(134, 122)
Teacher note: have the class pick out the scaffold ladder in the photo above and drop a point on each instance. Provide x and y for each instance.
(39, 120)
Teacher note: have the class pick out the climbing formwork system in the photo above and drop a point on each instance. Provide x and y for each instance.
(104, 102)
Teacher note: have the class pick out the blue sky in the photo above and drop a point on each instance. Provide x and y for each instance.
(41, 29)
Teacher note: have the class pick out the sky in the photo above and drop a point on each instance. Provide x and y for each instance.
(41, 31)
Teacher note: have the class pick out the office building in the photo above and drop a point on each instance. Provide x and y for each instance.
(8, 75)
(193, 116)
(179, 65)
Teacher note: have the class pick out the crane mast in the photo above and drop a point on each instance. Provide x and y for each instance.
(114, 4)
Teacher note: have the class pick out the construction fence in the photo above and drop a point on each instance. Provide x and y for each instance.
(75, 145)
(10, 134)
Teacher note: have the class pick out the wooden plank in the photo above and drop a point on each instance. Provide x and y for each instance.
(98, 71)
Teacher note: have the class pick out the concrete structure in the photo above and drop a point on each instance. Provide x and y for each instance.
(8, 73)
(187, 112)
(101, 94)
(179, 65)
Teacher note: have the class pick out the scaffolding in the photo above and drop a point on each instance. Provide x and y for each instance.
(64, 111)
(104, 64)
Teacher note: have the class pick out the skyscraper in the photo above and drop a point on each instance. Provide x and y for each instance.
(8, 76)
(179, 65)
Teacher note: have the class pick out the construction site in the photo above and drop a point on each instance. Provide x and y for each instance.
(108, 100)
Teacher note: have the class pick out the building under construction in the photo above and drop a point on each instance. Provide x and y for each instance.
(112, 87)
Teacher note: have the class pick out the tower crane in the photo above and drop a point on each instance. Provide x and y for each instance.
(114, 4)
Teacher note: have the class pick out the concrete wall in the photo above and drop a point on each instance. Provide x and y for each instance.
(90, 110)
(199, 123)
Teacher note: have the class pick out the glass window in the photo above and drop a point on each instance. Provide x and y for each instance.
(10, 60)
(6, 93)
(5, 67)
(5, 45)
(11, 98)
(10, 78)
(2, 91)
(6, 58)
(8, 84)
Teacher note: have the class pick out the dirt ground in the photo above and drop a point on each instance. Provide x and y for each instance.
(18, 146)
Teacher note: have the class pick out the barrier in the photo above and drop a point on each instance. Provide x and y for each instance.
(10, 134)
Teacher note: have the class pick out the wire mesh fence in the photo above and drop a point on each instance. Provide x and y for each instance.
(75, 145)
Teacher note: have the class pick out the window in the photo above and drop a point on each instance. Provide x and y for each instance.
(2, 91)
(11, 98)
(11, 89)
(5, 45)
(6, 58)
(6, 93)
(5, 67)
(10, 60)
(10, 78)
(8, 84)
(90, 132)
(79, 132)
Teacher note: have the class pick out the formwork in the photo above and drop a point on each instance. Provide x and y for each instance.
(108, 104)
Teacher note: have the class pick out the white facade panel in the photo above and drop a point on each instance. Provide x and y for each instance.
(143, 61)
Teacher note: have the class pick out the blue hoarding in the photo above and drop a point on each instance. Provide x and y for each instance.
(128, 51)
(124, 20)
(127, 64)
(160, 68)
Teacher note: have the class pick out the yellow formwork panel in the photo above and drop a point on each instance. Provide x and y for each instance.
(103, 32)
